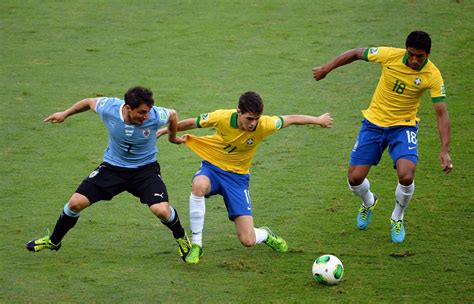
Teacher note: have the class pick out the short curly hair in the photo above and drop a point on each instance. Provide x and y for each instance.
(135, 96)
(250, 102)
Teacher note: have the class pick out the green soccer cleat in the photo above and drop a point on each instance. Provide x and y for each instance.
(36, 245)
(274, 241)
(194, 255)
(184, 246)
(365, 215)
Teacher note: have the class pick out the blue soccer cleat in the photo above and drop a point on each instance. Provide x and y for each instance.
(365, 215)
(398, 231)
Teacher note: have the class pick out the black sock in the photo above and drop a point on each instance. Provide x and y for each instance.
(63, 225)
(175, 226)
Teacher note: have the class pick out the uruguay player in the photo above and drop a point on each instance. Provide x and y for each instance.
(390, 121)
(130, 163)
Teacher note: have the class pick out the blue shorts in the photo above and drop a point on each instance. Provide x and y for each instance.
(372, 141)
(233, 187)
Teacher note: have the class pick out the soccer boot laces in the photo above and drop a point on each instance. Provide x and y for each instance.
(398, 231)
(184, 246)
(365, 215)
(194, 254)
(38, 244)
(274, 241)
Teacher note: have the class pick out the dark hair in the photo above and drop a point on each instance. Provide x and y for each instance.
(135, 96)
(419, 40)
(250, 102)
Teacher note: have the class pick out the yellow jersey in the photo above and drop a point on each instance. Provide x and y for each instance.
(230, 148)
(397, 97)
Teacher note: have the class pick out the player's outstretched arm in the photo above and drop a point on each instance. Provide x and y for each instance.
(78, 107)
(183, 125)
(172, 128)
(342, 59)
(444, 128)
(324, 120)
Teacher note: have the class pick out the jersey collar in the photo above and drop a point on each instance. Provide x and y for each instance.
(233, 120)
(121, 113)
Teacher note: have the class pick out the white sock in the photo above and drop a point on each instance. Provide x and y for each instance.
(261, 235)
(363, 191)
(197, 209)
(403, 195)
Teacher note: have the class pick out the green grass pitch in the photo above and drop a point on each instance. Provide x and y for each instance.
(198, 56)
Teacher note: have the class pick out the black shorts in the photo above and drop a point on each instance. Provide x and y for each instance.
(107, 181)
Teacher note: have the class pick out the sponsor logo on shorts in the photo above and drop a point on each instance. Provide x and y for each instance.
(94, 173)
(355, 145)
(411, 148)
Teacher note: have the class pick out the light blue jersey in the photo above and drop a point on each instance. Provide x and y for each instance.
(130, 145)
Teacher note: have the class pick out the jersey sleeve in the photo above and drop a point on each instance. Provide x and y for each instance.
(103, 106)
(377, 54)
(437, 89)
(208, 120)
(163, 115)
(271, 124)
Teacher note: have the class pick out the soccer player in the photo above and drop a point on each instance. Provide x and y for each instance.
(130, 163)
(390, 121)
(227, 155)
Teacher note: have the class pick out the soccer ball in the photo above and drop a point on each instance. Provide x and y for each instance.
(328, 269)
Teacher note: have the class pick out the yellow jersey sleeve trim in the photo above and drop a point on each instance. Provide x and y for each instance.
(438, 99)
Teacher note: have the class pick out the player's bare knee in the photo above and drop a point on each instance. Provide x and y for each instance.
(78, 202)
(354, 180)
(406, 179)
(247, 240)
(161, 210)
(199, 189)
(201, 186)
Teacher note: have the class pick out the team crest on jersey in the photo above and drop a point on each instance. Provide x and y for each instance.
(250, 141)
(373, 51)
(146, 132)
(205, 116)
(417, 80)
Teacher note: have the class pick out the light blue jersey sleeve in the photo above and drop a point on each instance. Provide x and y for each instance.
(104, 104)
(163, 115)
